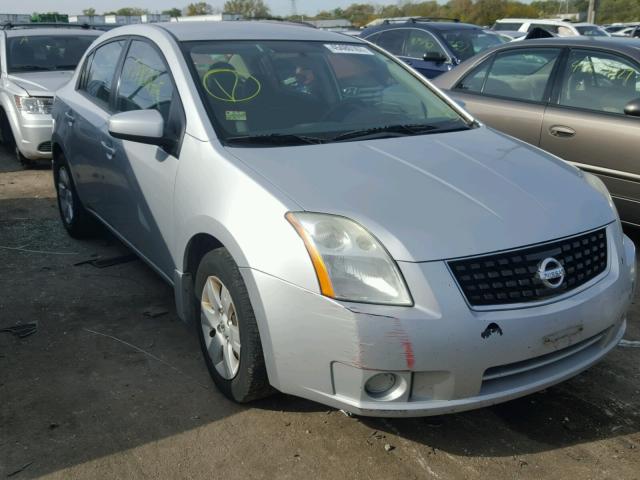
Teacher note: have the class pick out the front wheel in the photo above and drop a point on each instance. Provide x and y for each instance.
(228, 331)
(76, 220)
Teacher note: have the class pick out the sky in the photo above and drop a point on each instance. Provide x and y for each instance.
(278, 7)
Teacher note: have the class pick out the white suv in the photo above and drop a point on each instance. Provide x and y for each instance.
(561, 28)
(34, 62)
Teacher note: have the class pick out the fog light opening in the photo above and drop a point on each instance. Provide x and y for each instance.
(381, 384)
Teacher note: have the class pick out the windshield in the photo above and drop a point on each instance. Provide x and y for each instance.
(592, 31)
(466, 43)
(42, 53)
(293, 92)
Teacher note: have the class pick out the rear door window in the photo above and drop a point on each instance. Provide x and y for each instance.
(393, 40)
(599, 81)
(520, 74)
(100, 67)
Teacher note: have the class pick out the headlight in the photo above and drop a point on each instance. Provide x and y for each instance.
(349, 262)
(39, 105)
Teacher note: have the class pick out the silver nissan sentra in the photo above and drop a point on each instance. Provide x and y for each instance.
(334, 226)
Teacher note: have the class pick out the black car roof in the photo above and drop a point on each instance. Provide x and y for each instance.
(420, 24)
(630, 46)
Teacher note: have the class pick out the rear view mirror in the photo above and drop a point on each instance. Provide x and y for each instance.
(142, 126)
(633, 108)
(434, 57)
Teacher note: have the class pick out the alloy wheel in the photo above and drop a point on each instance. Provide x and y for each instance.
(65, 195)
(219, 323)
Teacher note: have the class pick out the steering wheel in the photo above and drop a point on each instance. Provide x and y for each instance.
(341, 109)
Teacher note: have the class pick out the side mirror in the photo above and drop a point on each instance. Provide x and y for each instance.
(142, 126)
(633, 108)
(434, 57)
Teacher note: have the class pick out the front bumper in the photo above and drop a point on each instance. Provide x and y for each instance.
(32, 134)
(326, 350)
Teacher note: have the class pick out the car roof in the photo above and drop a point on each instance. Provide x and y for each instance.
(630, 46)
(247, 30)
(424, 25)
(50, 32)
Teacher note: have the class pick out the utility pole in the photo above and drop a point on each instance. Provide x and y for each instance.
(591, 13)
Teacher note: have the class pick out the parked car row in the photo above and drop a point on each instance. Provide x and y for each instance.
(337, 228)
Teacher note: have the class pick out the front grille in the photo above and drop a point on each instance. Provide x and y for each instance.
(511, 277)
(44, 147)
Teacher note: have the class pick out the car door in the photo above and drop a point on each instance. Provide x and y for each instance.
(425, 53)
(510, 89)
(148, 171)
(87, 145)
(586, 123)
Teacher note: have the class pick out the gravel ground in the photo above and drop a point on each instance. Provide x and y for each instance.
(112, 386)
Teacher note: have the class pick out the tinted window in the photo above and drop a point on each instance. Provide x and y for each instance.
(591, 31)
(292, 88)
(521, 74)
(38, 52)
(507, 26)
(420, 43)
(599, 81)
(99, 70)
(544, 26)
(468, 42)
(392, 40)
(145, 82)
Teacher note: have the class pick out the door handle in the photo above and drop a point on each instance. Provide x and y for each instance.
(70, 118)
(109, 150)
(561, 131)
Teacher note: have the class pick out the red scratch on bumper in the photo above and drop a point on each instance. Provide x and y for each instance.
(408, 353)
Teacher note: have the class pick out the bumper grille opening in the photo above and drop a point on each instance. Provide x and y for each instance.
(513, 374)
(511, 277)
(44, 147)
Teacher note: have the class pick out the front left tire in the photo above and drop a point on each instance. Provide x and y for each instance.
(77, 221)
(228, 331)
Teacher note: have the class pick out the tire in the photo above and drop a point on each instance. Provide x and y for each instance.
(9, 142)
(6, 135)
(78, 222)
(24, 161)
(217, 331)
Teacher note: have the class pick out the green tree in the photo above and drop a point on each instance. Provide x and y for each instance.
(49, 17)
(248, 8)
(173, 12)
(199, 8)
(131, 11)
(360, 13)
(89, 11)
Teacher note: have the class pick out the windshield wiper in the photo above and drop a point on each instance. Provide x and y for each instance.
(386, 131)
(276, 139)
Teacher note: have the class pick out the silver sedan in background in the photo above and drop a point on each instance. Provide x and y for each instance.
(335, 227)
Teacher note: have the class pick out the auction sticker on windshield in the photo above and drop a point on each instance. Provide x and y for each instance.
(347, 48)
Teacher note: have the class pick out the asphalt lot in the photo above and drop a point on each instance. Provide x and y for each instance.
(112, 385)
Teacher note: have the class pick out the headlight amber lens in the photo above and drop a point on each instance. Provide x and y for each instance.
(350, 263)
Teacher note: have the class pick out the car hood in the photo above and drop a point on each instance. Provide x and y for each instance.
(41, 84)
(438, 196)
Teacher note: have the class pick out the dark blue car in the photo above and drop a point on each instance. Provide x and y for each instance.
(431, 46)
